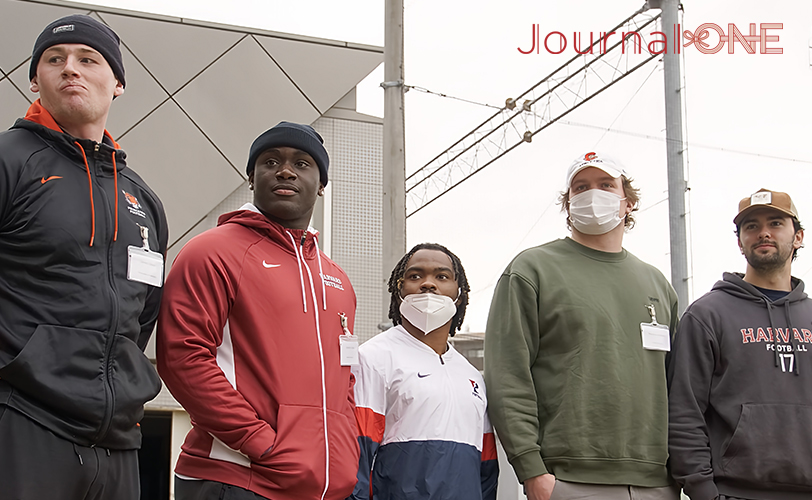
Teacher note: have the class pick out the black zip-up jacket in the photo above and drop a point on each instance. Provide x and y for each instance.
(72, 326)
(740, 394)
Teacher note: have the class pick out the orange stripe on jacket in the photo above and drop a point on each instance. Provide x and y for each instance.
(370, 424)
(488, 447)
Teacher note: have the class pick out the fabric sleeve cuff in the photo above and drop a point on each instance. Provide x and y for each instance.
(528, 465)
(704, 490)
(259, 443)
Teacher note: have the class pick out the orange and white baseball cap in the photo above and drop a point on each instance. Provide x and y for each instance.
(597, 160)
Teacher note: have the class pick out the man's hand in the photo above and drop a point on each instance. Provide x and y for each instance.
(539, 487)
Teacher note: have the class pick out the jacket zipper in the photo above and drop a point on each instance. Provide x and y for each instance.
(111, 334)
(321, 364)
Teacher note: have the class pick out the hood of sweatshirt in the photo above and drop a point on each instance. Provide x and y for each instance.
(734, 284)
(294, 241)
(40, 121)
(302, 243)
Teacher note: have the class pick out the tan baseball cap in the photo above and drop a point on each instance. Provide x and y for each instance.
(764, 198)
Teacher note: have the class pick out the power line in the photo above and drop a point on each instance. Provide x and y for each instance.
(653, 69)
(427, 91)
(638, 135)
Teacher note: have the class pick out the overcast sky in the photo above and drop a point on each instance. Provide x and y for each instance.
(747, 119)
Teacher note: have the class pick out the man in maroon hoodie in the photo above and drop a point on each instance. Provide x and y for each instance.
(82, 239)
(253, 340)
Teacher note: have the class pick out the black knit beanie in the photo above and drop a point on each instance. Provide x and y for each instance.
(82, 29)
(292, 135)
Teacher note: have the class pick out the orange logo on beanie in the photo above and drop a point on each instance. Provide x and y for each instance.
(590, 156)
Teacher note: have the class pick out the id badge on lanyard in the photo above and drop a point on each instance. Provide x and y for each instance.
(348, 344)
(656, 337)
(144, 265)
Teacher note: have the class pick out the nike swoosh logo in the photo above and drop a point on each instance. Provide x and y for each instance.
(44, 180)
(422, 375)
(268, 266)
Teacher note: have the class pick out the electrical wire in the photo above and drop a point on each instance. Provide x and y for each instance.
(492, 281)
(638, 135)
(653, 69)
(427, 91)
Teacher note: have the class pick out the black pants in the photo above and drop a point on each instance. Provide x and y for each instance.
(186, 489)
(36, 464)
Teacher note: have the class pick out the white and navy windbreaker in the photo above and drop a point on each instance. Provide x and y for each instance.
(423, 428)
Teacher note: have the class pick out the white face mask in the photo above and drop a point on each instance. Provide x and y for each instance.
(427, 311)
(595, 211)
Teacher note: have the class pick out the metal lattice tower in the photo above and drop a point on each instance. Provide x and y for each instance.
(616, 54)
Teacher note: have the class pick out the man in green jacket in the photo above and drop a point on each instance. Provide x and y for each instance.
(576, 342)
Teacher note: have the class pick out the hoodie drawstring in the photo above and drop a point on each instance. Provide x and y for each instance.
(90, 186)
(81, 462)
(299, 265)
(796, 369)
(300, 261)
(321, 274)
(115, 186)
(790, 334)
(774, 331)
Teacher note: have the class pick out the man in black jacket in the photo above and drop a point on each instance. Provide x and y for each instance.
(82, 245)
(740, 377)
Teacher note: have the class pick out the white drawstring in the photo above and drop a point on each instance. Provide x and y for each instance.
(299, 265)
(321, 273)
(301, 262)
(323, 388)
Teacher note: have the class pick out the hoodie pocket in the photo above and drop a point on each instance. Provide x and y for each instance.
(134, 382)
(63, 369)
(771, 445)
(343, 453)
(297, 460)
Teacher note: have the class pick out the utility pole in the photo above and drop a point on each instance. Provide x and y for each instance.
(675, 146)
(394, 160)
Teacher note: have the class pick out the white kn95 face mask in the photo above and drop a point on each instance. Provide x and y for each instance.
(595, 211)
(427, 311)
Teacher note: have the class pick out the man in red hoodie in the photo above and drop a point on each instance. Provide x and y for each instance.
(254, 340)
(82, 239)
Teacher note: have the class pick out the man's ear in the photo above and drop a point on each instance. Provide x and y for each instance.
(799, 239)
(34, 85)
(118, 90)
(629, 206)
(321, 189)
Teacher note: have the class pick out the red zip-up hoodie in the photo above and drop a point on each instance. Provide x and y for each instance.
(248, 343)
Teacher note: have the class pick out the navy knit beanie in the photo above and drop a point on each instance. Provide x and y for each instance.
(82, 29)
(292, 135)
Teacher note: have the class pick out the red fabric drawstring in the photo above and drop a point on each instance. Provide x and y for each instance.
(90, 186)
(115, 186)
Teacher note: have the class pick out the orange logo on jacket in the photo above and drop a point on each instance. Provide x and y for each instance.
(133, 206)
(132, 200)
(44, 180)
